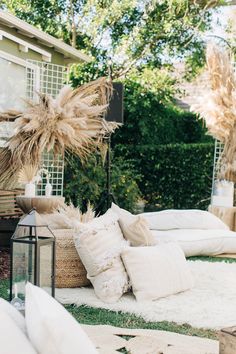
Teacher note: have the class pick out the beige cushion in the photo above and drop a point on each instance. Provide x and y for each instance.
(13, 340)
(134, 227)
(51, 328)
(99, 245)
(157, 271)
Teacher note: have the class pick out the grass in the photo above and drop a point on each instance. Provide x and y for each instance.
(89, 315)
(94, 316)
(212, 259)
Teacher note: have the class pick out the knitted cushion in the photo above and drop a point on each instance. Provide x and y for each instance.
(70, 272)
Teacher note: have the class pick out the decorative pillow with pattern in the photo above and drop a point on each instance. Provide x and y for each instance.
(99, 244)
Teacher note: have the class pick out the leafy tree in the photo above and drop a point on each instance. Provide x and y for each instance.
(129, 32)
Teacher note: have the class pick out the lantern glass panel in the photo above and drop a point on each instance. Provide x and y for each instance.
(26, 231)
(23, 267)
(46, 267)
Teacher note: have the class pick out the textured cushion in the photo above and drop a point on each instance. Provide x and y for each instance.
(12, 339)
(183, 219)
(51, 328)
(12, 312)
(135, 228)
(99, 245)
(157, 271)
(199, 242)
(70, 271)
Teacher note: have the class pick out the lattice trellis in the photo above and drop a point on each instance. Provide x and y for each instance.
(48, 78)
(217, 153)
(55, 167)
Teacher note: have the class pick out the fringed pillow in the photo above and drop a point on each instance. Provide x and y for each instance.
(99, 245)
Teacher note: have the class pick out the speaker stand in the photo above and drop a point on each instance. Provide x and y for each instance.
(107, 195)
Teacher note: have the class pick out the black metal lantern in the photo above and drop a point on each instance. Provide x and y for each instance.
(32, 256)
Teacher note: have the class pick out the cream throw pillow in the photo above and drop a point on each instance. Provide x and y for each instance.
(99, 244)
(13, 340)
(158, 271)
(51, 328)
(134, 227)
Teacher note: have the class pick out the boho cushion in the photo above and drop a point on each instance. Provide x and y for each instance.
(70, 271)
(13, 339)
(157, 271)
(99, 245)
(135, 228)
(51, 329)
(183, 219)
(12, 312)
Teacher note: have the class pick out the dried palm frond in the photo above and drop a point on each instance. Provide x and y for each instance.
(70, 123)
(218, 107)
(27, 174)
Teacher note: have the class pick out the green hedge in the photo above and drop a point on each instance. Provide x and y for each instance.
(86, 182)
(173, 176)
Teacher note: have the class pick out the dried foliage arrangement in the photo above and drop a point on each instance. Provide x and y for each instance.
(218, 108)
(74, 217)
(70, 123)
(27, 174)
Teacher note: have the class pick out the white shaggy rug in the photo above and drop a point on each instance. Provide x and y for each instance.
(210, 304)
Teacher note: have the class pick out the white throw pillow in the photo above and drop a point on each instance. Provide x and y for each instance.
(15, 315)
(135, 228)
(157, 271)
(12, 339)
(199, 242)
(99, 244)
(183, 219)
(51, 329)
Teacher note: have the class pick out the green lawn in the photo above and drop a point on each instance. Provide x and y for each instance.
(88, 315)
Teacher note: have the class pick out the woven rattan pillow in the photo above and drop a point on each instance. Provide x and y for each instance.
(70, 272)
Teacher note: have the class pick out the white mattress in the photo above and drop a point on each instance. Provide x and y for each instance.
(196, 242)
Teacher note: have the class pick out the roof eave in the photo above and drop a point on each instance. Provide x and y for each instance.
(72, 55)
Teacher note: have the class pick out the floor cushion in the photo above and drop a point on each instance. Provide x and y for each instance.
(51, 329)
(157, 271)
(99, 245)
(199, 242)
(13, 339)
(183, 219)
(12, 312)
(135, 228)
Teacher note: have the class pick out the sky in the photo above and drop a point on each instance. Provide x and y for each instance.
(220, 20)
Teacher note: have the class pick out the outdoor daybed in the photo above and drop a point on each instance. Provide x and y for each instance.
(198, 232)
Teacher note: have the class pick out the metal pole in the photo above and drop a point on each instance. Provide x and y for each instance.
(108, 170)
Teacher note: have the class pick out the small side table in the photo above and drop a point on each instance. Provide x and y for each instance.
(43, 204)
(226, 214)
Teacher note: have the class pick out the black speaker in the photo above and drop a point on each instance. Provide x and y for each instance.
(115, 111)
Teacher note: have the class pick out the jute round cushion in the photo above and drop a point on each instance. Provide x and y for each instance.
(70, 272)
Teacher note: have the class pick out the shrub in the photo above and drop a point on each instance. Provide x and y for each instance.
(149, 120)
(87, 182)
(173, 176)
